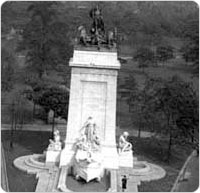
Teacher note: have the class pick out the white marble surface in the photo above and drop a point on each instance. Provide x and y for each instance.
(95, 59)
(52, 156)
(126, 159)
(93, 93)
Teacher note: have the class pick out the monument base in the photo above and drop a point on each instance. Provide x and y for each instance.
(52, 156)
(67, 155)
(110, 157)
(88, 171)
(109, 154)
(126, 159)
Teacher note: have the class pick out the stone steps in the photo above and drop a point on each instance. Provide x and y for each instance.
(62, 179)
(52, 178)
(48, 180)
(21, 164)
(42, 182)
(32, 163)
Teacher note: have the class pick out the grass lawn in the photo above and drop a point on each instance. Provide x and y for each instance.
(148, 149)
(25, 143)
(154, 151)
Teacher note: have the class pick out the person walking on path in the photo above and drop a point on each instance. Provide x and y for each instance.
(124, 183)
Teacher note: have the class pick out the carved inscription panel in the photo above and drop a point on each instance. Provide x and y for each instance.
(94, 104)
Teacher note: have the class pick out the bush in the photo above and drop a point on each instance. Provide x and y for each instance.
(145, 56)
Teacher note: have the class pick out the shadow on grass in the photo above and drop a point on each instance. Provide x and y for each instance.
(154, 151)
(25, 143)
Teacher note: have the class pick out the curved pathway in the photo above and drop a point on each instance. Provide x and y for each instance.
(4, 178)
(190, 183)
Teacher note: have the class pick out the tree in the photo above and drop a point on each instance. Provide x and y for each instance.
(56, 99)
(191, 48)
(44, 39)
(164, 53)
(50, 98)
(177, 103)
(7, 73)
(141, 109)
(130, 88)
(137, 100)
(144, 56)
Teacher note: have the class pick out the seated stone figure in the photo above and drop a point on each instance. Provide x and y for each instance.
(124, 145)
(55, 145)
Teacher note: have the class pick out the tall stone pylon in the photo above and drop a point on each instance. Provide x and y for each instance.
(93, 91)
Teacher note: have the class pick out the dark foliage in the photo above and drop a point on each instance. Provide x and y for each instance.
(164, 53)
(190, 49)
(45, 39)
(145, 57)
(7, 70)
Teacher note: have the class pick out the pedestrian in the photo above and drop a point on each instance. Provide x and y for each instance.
(124, 183)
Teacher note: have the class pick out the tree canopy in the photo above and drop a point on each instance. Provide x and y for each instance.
(8, 62)
(44, 39)
(52, 98)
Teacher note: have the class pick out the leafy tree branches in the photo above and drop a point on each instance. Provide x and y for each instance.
(7, 70)
(178, 102)
(190, 49)
(145, 56)
(50, 98)
(164, 53)
(45, 39)
(167, 107)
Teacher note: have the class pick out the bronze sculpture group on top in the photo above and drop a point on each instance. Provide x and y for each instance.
(97, 35)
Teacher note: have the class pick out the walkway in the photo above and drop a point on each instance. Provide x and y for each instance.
(4, 178)
(191, 180)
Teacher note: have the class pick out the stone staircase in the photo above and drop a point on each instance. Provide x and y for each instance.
(48, 181)
(132, 183)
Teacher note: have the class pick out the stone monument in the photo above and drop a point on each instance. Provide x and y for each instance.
(54, 149)
(93, 90)
(125, 151)
(90, 150)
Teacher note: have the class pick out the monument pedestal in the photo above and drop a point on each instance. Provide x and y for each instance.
(52, 156)
(126, 159)
(93, 93)
(111, 157)
(67, 155)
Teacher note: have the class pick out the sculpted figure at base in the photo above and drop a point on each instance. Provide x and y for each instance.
(89, 143)
(124, 145)
(88, 156)
(55, 144)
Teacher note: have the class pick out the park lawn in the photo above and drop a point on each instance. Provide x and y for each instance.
(25, 143)
(172, 68)
(154, 151)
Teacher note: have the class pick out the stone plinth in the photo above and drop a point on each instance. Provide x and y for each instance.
(93, 93)
(52, 156)
(88, 171)
(126, 159)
